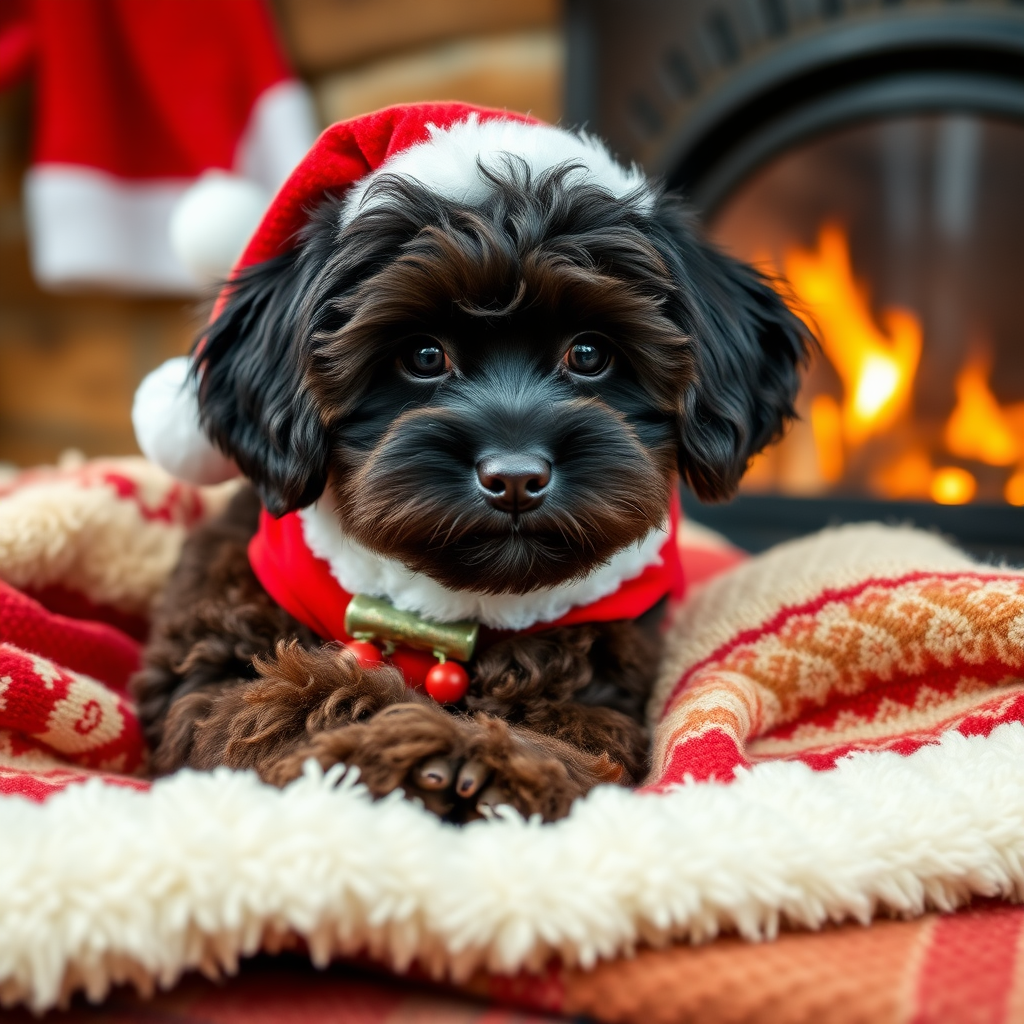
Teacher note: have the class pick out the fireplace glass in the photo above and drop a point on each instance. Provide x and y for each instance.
(902, 242)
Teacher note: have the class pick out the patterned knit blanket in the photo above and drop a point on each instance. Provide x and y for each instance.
(837, 734)
(864, 638)
(84, 551)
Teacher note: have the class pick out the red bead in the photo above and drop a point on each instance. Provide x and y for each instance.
(414, 665)
(447, 682)
(366, 653)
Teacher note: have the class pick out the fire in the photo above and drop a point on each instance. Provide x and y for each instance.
(1014, 492)
(908, 477)
(979, 428)
(876, 357)
(952, 485)
(875, 364)
(827, 426)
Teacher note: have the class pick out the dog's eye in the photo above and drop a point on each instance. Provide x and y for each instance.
(427, 359)
(588, 356)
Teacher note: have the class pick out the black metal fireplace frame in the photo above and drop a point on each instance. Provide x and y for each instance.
(750, 78)
(993, 533)
(703, 92)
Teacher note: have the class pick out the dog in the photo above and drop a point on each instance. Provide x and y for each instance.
(468, 381)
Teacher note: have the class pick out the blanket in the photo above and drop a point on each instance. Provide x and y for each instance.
(837, 736)
(85, 549)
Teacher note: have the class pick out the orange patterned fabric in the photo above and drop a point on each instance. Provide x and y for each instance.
(948, 969)
(887, 662)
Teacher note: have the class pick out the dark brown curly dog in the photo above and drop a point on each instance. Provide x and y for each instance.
(499, 396)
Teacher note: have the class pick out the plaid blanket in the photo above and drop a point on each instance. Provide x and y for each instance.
(837, 735)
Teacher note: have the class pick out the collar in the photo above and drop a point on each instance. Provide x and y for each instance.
(310, 568)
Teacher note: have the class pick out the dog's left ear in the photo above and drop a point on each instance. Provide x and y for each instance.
(747, 352)
(253, 401)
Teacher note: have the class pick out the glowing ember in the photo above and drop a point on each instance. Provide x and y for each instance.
(908, 477)
(978, 428)
(953, 486)
(876, 365)
(1014, 491)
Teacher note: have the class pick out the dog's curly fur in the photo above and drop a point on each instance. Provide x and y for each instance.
(307, 383)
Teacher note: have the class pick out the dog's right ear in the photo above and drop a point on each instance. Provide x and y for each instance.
(253, 400)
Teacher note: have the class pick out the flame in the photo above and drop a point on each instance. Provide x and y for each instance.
(953, 486)
(876, 365)
(979, 428)
(827, 427)
(909, 476)
(1014, 416)
(876, 357)
(1014, 491)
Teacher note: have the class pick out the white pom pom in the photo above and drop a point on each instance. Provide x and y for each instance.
(165, 415)
(212, 222)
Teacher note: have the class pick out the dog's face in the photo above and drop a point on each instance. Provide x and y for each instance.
(502, 396)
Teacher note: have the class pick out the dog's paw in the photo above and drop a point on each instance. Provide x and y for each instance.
(459, 767)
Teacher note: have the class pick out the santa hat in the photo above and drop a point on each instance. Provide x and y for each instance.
(443, 146)
(134, 103)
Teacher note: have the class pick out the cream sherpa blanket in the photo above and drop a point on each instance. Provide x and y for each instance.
(837, 734)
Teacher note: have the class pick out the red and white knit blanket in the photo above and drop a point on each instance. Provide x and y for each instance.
(837, 732)
(84, 551)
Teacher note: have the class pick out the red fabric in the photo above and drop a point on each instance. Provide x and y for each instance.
(92, 648)
(17, 42)
(711, 756)
(65, 654)
(74, 605)
(704, 563)
(288, 989)
(62, 688)
(302, 583)
(152, 90)
(970, 967)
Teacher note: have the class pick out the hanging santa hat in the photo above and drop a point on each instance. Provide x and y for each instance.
(135, 102)
(444, 146)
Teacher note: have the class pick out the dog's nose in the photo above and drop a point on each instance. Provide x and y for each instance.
(514, 483)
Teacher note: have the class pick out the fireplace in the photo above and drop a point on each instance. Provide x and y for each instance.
(870, 155)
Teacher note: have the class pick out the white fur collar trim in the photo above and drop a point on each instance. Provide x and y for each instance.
(361, 571)
(449, 162)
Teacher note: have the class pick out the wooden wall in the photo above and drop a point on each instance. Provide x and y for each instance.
(69, 364)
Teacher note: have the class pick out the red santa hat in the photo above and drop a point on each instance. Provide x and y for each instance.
(135, 102)
(444, 146)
